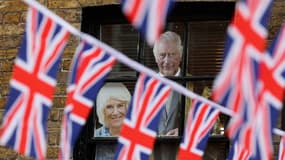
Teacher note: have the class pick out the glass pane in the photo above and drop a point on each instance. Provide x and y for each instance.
(105, 151)
(203, 88)
(166, 149)
(124, 38)
(216, 150)
(206, 46)
(148, 57)
(111, 106)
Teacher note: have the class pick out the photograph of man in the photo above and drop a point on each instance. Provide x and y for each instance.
(168, 54)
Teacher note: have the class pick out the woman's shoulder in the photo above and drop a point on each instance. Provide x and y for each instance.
(102, 131)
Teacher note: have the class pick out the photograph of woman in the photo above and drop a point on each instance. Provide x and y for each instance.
(112, 105)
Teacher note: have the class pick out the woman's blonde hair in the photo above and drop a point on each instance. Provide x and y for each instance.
(110, 90)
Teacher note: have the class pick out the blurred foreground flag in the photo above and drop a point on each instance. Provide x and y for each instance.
(139, 129)
(148, 16)
(200, 121)
(281, 154)
(89, 68)
(32, 85)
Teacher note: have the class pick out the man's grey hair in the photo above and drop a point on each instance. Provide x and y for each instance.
(166, 37)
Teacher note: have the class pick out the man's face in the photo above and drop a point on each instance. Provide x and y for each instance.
(115, 111)
(168, 58)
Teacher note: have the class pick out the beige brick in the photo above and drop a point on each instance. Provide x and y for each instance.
(11, 53)
(54, 115)
(23, 17)
(1, 17)
(62, 77)
(7, 153)
(60, 89)
(53, 138)
(53, 124)
(97, 2)
(73, 41)
(52, 153)
(12, 29)
(6, 65)
(2, 105)
(12, 17)
(58, 102)
(12, 5)
(5, 77)
(66, 65)
(10, 42)
(62, 4)
(22, 157)
(69, 15)
(4, 90)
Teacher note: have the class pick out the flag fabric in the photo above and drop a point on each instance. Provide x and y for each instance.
(238, 85)
(148, 16)
(200, 121)
(235, 85)
(32, 85)
(271, 85)
(255, 139)
(238, 153)
(139, 129)
(90, 66)
(281, 154)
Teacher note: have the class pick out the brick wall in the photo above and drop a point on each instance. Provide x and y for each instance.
(12, 22)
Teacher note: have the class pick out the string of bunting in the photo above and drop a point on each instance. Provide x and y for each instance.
(133, 64)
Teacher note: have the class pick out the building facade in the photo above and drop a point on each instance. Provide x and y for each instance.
(200, 23)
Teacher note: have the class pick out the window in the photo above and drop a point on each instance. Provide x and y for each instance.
(202, 34)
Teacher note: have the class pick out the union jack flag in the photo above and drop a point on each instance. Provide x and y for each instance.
(199, 123)
(281, 154)
(139, 129)
(238, 85)
(148, 16)
(255, 137)
(32, 85)
(235, 85)
(271, 85)
(90, 66)
(238, 153)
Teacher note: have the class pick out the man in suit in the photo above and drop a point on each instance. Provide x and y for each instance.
(168, 53)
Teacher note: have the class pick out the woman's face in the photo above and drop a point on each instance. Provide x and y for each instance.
(115, 111)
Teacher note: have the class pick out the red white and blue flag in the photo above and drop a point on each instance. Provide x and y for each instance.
(235, 86)
(200, 121)
(148, 16)
(270, 93)
(90, 66)
(237, 152)
(32, 85)
(281, 154)
(255, 138)
(251, 89)
(139, 129)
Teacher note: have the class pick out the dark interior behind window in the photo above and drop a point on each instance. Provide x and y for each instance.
(202, 27)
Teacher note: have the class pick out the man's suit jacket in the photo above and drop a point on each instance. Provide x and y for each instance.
(170, 120)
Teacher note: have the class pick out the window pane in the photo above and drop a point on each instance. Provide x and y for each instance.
(123, 38)
(105, 150)
(203, 88)
(206, 46)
